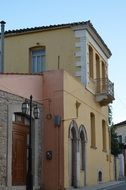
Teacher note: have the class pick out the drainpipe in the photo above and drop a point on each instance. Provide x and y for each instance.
(2, 47)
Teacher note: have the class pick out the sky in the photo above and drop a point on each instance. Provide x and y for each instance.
(107, 16)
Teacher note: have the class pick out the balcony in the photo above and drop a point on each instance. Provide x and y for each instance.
(104, 91)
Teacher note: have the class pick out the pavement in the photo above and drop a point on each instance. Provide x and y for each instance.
(101, 186)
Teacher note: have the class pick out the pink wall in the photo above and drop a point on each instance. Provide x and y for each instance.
(53, 173)
(22, 85)
(47, 89)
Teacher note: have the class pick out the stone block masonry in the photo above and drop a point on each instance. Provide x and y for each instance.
(9, 104)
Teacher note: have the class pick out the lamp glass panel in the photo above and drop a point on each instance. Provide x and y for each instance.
(25, 107)
(36, 112)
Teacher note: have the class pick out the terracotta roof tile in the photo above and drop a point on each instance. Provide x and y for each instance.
(54, 27)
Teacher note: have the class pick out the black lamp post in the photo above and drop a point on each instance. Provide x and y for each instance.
(28, 106)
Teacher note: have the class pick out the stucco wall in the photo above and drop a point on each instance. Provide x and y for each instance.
(96, 159)
(17, 57)
(22, 85)
(53, 134)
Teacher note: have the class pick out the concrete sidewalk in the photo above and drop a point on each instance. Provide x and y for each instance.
(100, 186)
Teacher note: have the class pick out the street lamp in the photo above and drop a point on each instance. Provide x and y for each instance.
(28, 106)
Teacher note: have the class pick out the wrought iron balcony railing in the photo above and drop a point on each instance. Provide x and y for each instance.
(104, 91)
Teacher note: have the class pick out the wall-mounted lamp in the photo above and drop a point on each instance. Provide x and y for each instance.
(36, 112)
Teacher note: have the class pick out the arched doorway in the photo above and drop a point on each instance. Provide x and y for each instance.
(82, 145)
(73, 158)
(20, 132)
(82, 151)
(73, 140)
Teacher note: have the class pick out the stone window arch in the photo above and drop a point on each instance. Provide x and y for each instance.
(83, 140)
(73, 136)
(74, 125)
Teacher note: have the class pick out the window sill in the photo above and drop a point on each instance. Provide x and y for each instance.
(104, 150)
(93, 147)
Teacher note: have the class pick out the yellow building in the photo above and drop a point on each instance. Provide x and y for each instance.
(87, 137)
(78, 49)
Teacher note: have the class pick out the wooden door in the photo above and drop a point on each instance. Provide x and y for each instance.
(19, 154)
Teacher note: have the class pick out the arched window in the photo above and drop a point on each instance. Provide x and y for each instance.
(83, 141)
(91, 70)
(104, 135)
(99, 176)
(37, 59)
(93, 135)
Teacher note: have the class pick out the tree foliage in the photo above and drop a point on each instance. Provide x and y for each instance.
(116, 147)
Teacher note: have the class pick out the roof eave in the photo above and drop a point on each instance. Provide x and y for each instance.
(75, 25)
(94, 34)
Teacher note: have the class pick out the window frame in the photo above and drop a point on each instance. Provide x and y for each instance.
(31, 50)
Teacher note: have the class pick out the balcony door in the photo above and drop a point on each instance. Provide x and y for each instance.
(104, 85)
(98, 72)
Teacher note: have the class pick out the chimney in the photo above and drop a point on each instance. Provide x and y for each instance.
(2, 47)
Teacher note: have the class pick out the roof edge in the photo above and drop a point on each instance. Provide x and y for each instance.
(120, 123)
(86, 24)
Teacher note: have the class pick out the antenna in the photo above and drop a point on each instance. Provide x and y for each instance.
(2, 47)
(58, 62)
